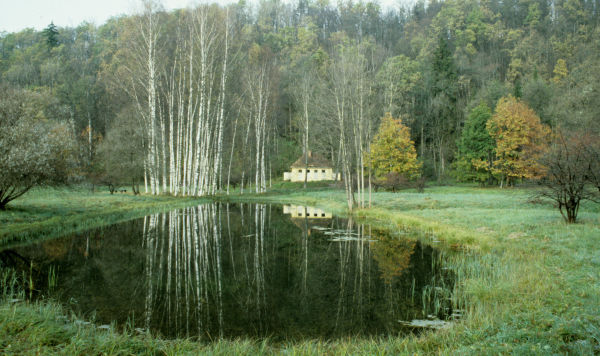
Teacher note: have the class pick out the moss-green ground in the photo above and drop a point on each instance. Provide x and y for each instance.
(530, 283)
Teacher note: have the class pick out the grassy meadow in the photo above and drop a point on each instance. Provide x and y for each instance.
(528, 282)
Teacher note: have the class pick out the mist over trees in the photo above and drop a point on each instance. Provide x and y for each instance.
(210, 96)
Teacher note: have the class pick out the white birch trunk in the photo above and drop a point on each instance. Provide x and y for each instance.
(218, 160)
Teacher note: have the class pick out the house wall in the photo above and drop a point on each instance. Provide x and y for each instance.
(313, 174)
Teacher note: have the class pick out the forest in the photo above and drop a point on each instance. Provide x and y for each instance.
(144, 209)
(193, 101)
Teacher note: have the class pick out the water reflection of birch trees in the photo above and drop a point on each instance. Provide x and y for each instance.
(184, 290)
(184, 269)
(225, 271)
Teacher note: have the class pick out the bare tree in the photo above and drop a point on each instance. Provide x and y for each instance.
(351, 84)
(137, 74)
(568, 178)
(340, 79)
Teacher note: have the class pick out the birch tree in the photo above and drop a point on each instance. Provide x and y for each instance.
(136, 74)
(181, 97)
(351, 84)
(305, 96)
(258, 83)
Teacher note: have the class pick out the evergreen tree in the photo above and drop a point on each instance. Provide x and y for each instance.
(444, 71)
(475, 147)
(443, 108)
(51, 35)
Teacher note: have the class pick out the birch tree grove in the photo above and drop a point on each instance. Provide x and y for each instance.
(258, 89)
(351, 80)
(136, 73)
(181, 97)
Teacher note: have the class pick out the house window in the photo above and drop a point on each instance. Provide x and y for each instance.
(322, 171)
(308, 171)
(323, 214)
(316, 214)
(299, 171)
(299, 214)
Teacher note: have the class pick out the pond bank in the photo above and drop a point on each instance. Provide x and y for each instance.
(45, 213)
(530, 282)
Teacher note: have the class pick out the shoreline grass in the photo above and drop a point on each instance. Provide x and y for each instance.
(46, 213)
(530, 283)
(527, 278)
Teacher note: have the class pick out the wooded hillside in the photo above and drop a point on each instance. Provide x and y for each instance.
(193, 100)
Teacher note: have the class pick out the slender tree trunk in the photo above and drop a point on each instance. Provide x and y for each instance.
(90, 148)
(145, 176)
(163, 153)
(218, 160)
(232, 150)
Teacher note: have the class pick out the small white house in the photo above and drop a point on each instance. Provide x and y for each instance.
(318, 168)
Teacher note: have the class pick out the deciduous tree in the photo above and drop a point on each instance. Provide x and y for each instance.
(569, 180)
(123, 152)
(34, 149)
(560, 71)
(392, 150)
(396, 78)
(521, 139)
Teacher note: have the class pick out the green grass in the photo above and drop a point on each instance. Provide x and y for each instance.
(530, 284)
(45, 213)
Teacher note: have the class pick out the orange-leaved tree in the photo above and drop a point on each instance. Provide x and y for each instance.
(521, 139)
(392, 150)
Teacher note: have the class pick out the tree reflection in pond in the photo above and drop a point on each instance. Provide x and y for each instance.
(246, 270)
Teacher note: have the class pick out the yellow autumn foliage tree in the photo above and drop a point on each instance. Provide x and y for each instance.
(521, 139)
(392, 150)
(560, 71)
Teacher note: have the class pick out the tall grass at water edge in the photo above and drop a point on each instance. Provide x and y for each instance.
(45, 213)
(527, 282)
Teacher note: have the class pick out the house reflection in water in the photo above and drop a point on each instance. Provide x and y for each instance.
(308, 217)
(297, 211)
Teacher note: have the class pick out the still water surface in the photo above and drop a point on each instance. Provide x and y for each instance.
(243, 270)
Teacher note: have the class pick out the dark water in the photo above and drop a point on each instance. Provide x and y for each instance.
(248, 270)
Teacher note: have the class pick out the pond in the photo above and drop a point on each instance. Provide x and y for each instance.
(242, 270)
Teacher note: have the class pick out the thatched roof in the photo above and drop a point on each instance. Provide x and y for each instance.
(315, 160)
